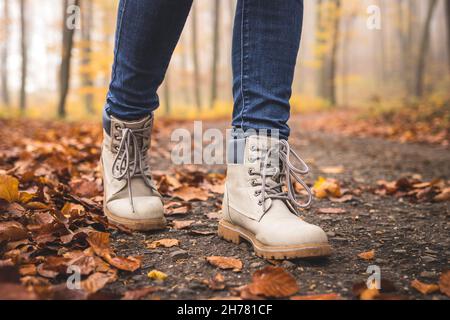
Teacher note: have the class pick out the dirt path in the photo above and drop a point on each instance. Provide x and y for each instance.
(411, 240)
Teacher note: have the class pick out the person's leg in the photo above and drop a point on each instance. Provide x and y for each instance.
(266, 40)
(260, 203)
(146, 36)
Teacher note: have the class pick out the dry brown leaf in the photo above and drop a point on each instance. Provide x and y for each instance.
(182, 224)
(444, 283)
(9, 188)
(99, 242)
(328, 296)
(85, 188)
(424, 288)
(343, 199)
(225, 263)
(273, 282)
(368, 255)
(166, 243)
(12, 231)
(187, 193)
(97, 281)
(443, 196)
(140, 293)
(331, 211)
(216, 283)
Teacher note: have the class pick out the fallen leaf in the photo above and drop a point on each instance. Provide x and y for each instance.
(216, 283)
(12, 231)
(9, 188)
(187, 193)
(99, 242)
(368, 255)
(140, 293)
(85, 188)
(97, 281)
(443, 196)
(324, 188)
(332, 170)
(182, 224)
(225, 263)
(329, 296)
(157, 275)
(444, 283)
(331, 211)
(424, 288)
(343, 199)
(273, 282)
(166, 243)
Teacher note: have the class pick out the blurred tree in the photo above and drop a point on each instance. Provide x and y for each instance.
(66, 57)
(24, 54)
(215, 57)
(424, 46)
(166, 93)
(86, 52)
(197, 93)
(5, 54)
(447, 16)
(327, 42)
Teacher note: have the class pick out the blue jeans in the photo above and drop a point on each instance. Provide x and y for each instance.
(266, 40)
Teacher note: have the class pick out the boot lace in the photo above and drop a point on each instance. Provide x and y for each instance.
(272, 178)
(130, 160)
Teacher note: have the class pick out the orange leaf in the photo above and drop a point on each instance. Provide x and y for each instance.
(182, 224)
(368, 255)
(324, 188)
(225, 263)
(444, 283)
(9, 188)
(187, 193)
(274, 282)
(424, 288)
(166, 243)
(329, 296)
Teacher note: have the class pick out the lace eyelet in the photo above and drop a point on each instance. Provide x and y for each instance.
(250, 171)
(253, 183)
(260, 203)
(257, 193)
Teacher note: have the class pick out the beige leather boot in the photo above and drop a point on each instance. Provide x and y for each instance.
(260, 204)
(130, 196)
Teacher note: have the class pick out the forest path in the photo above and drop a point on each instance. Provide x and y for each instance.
(410, 239)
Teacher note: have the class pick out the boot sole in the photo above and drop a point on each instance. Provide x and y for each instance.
(233, 233)
(133, 224)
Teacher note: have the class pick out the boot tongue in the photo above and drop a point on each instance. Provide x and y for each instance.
(118, 126)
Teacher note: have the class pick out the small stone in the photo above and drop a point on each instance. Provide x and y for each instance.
(428, 274)
(399, 251)
(179, 254)
(428, 259)
(256, 265)
(331, 234)
(288, 265)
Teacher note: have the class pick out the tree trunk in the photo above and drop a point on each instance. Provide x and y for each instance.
(215, 57)
(87, 82)
(334, 50)
(424, 46)
(23, 49)
(5, 54)
(197, 93)
(66, 57)
(167, 100)
(447, 15)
